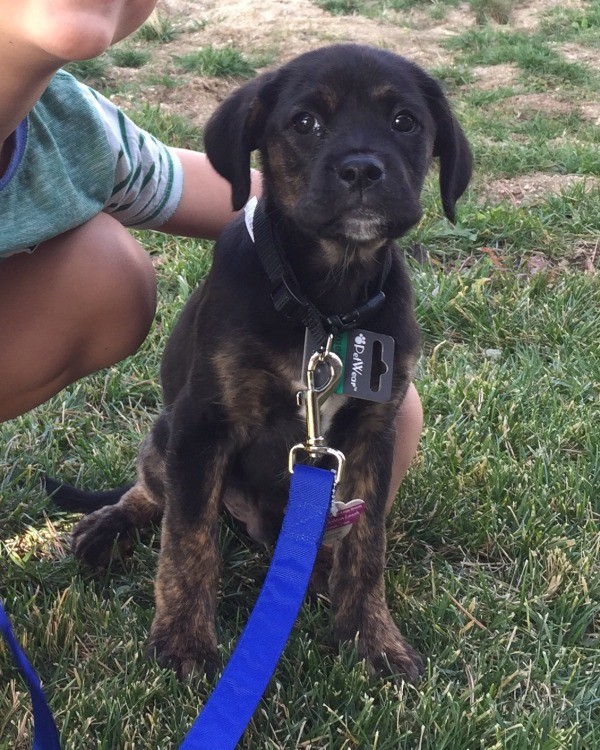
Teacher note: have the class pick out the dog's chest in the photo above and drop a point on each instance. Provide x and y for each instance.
(329, 408)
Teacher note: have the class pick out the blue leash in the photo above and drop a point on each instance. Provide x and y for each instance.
(260, 646)
(246, 676)
(238, 692)
(45, 735)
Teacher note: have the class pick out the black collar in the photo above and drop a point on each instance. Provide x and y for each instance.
(288, 297)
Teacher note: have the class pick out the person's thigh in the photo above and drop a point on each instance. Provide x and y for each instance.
(80, 302)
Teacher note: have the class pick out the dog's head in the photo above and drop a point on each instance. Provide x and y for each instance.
(346, 135)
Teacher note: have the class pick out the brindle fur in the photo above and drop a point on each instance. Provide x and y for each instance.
(231, 366)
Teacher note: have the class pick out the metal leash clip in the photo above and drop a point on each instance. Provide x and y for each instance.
(312, 399)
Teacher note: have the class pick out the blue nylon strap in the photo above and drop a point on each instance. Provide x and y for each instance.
(45, 735)
(246, 676)
(238, 692)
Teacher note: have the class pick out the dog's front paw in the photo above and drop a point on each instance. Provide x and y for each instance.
(385, 650)
(391, 654)
(94, 535)
(184, 655)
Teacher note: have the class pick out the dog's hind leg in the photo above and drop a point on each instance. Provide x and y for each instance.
(95, 534)
(140, 506)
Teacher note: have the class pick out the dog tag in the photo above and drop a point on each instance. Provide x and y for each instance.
(341, 518)
(368, 360)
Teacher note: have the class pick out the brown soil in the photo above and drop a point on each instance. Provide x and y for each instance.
(526, 16)
(490, 77)
(532, 188)
(280, 29)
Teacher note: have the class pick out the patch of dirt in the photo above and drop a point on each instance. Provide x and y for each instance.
(491, 77)
(586, 256)
(454, 20)
(591, 111)
(292, 28)
(279, 30)
(579, 54)
(527, 16)
(196, 102)
(532, 188)
(524, 104)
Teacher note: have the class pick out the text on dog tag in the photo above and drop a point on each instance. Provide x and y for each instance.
(368, 360)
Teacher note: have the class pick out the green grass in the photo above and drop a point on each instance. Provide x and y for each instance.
(377, 8)
(343, 7)
(485, 10)
(226, 62)
(581, 24)
(90, 71)
(158, 29)
(535, 57)
(170, 128)
(127, 57)
(492, 10)
(498, 515)
(493, 546)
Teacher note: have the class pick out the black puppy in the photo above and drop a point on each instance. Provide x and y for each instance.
(346, 135)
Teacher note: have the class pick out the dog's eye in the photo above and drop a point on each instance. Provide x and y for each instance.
(404, 123)
(305, 123)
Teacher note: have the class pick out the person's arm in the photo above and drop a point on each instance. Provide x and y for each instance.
(205, 205)
(158, 187)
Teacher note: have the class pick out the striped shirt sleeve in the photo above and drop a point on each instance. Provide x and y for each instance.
(148, 178)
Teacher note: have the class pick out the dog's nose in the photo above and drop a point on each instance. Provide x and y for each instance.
(360, 171)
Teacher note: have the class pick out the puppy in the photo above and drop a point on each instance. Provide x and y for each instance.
(346, 135)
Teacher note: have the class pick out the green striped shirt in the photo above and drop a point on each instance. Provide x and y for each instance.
(75, 155)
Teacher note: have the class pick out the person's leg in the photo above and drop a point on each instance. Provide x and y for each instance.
(409, 425)
(80, 302)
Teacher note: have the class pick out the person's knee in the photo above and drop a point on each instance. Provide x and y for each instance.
(119, 290)
(408, 426)
(409, 417)
(82, 301)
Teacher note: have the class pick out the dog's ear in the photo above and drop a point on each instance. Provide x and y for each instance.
(451, 146)
(233, 133)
